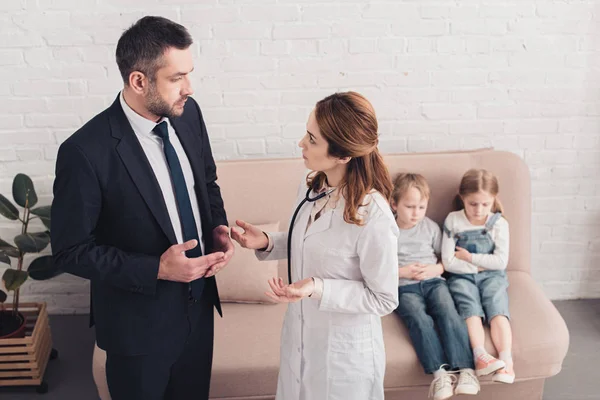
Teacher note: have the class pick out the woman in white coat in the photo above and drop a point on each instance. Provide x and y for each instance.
(344, 260)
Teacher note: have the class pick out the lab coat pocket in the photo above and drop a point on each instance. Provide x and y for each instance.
(351, 355)
(351, 362)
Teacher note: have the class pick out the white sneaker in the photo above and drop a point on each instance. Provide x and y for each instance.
(467, 382)
(442, 387)
(503, 376)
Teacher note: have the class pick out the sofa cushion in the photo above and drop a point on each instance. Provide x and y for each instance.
(245, 278)
(247, 344)
(246, 356)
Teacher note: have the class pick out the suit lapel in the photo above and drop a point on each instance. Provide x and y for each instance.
(321, 224)
(298, 240)
(325, 220)
(135, 161)
(302, 221)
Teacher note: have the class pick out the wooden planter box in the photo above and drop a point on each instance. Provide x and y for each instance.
(23, 361)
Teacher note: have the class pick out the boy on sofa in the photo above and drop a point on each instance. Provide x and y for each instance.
(425, 301)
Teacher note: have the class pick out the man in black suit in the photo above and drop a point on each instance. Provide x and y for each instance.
(137, 211)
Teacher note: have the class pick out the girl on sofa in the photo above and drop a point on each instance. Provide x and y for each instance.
(424, 300)
(475, 252)
(344, 259)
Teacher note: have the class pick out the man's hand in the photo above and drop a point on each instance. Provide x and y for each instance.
(221, 243)
(463, 254)
(177, 267)
(410, 271)
(282, 293)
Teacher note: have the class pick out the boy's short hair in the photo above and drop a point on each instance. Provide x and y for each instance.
(404, 181)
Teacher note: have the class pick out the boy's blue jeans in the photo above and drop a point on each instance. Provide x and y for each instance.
(439, 335)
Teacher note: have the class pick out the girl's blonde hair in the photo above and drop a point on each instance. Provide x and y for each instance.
(348, 123)
(478, 180)
(404, 181)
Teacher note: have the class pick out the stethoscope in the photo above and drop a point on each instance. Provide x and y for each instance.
(289, 241)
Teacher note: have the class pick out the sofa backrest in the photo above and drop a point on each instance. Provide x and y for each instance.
(264, 191)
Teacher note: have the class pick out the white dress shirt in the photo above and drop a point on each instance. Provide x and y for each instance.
(153, 148)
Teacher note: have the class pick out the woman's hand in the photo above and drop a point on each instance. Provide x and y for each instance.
(463, 254)
(251, 237)
(282, 293)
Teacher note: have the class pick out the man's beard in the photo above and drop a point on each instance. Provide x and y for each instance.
(157, 106)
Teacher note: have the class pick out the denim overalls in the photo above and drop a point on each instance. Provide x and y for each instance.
(477, 241)
(483, 294)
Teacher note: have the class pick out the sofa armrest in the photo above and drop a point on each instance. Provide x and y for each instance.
(540, 334)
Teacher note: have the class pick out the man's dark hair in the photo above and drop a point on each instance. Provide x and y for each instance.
(142, 46)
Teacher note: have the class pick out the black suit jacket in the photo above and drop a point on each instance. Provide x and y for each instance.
(110, 225)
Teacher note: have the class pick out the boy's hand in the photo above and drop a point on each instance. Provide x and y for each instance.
(463, 254)
(410, 271)
(429, 271)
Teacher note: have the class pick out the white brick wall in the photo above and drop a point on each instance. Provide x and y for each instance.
(520, 75)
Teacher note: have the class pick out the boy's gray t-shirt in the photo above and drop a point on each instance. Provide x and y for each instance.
(422, 243)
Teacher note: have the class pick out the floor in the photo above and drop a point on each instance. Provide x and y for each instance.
(70, 378)
(579, 377)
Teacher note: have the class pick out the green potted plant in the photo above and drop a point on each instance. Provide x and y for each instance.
(12, 323)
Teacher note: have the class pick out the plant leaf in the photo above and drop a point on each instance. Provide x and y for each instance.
(4, 258)
(32, 242)
(13, 278)
(8, 209)
(23, 191)
(43, 268)
(46, 222)
(9, 249)
(44, 213)
(3, 296)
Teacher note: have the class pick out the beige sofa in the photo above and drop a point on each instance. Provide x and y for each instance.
(246, 355)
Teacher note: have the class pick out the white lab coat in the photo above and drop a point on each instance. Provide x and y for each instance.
(332, 349)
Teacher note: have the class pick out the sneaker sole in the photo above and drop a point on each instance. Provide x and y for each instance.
(503, 378)
(490, 368)
(465, 391)
(444, 397)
